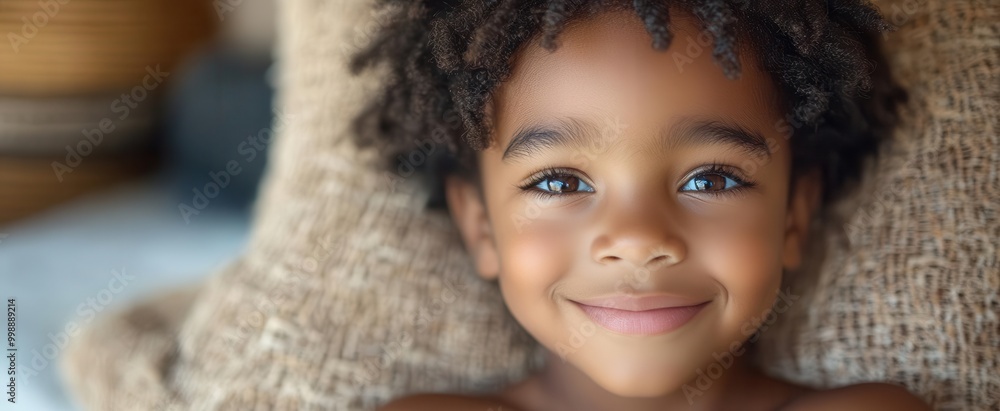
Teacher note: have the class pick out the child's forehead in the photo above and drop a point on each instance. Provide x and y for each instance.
(606, 70)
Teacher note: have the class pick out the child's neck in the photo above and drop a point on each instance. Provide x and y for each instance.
(561, 386)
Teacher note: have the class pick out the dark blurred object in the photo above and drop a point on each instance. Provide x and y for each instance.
(219, 124)
(220, 121)
(80, 84)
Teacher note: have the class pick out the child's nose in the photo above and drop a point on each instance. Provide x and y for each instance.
(641, 251)
(644, 240)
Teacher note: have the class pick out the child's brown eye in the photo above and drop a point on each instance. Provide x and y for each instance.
(562, 184)
(556, 182)
(716, 180)
(709, 182)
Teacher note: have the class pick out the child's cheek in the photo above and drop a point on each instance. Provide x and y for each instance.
(534, 259)
(742, 253)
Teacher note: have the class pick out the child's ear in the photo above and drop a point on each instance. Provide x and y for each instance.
(804, 201)
(469, 213)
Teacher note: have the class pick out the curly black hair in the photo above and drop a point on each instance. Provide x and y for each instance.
(444, 59)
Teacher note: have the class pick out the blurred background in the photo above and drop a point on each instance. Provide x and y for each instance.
(133, 134)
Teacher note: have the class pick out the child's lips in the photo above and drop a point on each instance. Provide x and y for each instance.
(649, 315)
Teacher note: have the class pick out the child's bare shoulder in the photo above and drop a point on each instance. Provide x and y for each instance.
(860, 397)
(447, 402)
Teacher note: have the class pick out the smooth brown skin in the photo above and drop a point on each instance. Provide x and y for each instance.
(639, 230)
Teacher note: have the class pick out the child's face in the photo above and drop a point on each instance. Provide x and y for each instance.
(634, 218)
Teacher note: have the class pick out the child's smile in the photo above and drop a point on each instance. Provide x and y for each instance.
(650, 314)
(619, 172)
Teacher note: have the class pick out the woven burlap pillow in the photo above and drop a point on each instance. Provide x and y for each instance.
(348, 295)
(909, 289)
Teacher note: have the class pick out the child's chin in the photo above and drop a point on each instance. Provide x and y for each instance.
(637, 381)
(640, 387)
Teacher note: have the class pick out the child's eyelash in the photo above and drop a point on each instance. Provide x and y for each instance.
(538, 177)
(725, 171)
(541, 175)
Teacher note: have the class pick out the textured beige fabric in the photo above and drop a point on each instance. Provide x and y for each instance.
(347, 296)
(909, 290)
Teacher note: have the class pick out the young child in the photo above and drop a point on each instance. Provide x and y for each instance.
(637, 175)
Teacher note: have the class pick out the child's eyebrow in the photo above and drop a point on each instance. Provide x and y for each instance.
(687, 131)
(707, 131)
(564, 132)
